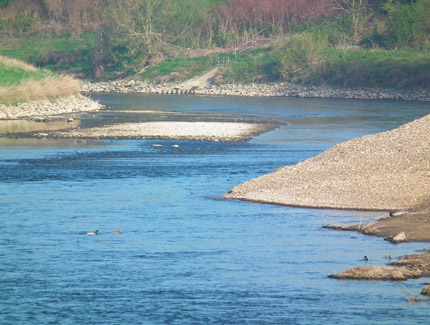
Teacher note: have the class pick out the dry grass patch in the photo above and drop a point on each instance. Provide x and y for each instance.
(49, 87)
(20, 82)
(17, 63)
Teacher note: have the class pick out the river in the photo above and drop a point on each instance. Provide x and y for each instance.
(185, 256)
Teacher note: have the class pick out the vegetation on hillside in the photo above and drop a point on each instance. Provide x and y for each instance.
(340, 42)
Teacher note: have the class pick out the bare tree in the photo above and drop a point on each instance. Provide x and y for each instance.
(356, 9)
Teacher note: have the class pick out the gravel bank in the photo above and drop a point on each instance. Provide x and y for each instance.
(386, 171)
(49, 107)
(173, 130)
(400, 227)
(260, 90)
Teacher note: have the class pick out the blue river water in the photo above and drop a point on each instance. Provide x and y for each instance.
(185, 256)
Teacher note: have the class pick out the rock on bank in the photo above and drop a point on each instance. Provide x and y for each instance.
(385, 171)
(49, 107)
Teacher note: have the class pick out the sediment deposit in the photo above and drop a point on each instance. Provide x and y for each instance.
(175, 130)
(49, 107)
(386, 171)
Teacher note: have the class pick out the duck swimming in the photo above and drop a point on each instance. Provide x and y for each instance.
(119, 232)
(90, 233)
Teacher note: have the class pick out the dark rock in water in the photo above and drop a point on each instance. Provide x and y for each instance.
(426, 291)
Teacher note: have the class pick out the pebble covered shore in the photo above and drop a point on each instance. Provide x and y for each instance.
(256, 90)
(386, 171)
(49, 107)
(172, 130)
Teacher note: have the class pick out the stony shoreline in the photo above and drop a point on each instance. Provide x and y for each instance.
(50, 107)
(282, 89)
(386, 171)
(407, 267)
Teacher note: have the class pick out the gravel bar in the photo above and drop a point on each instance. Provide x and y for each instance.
(386, 171)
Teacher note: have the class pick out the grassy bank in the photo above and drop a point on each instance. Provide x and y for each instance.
(357, 68)
(290, 60)
(23, 82)
(352, 68)
(102, 40)
(178, 69)
(57, 54)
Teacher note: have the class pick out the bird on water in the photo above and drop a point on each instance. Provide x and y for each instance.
(119, 232)
(91, 233)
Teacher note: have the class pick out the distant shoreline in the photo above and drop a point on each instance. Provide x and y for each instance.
(256, 90)
(81, 103)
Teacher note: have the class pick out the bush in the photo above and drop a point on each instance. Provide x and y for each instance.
(298, 52)
(408, 24)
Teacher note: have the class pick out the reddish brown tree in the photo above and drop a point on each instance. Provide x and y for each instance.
(273, 14)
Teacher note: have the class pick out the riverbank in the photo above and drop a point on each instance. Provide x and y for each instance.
(407, 267)
(396, 227)
(388, 171)
(256, 90)
(49, 107)
(79, 103)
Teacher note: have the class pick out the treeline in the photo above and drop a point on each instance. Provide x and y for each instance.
(132, 33)
(180, 22)
(18, 17)
(210, 23)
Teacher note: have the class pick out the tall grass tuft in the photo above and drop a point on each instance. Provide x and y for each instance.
(17, 63)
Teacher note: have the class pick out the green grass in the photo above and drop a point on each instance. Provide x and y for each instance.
(366, 68)
(180, 68)
(247, 67)
(250, 66)
(50, 52)
(400, 69)
(11, 76)
(354, 68)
